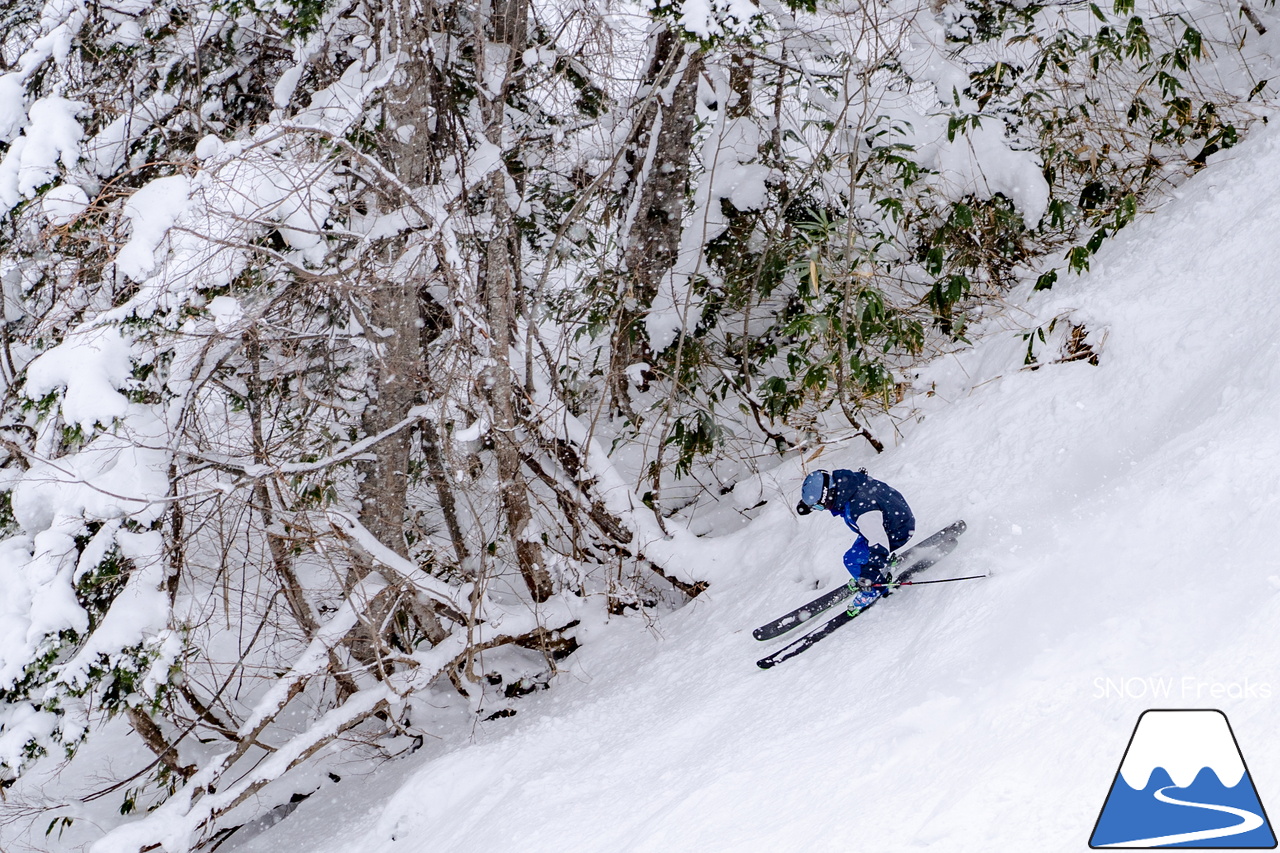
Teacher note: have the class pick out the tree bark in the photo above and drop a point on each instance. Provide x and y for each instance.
(659, 164)
(502, 41)
(393, 297)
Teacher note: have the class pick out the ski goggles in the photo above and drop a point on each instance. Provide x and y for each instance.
(816, 489)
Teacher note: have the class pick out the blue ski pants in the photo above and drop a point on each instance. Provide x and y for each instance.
(866, 560)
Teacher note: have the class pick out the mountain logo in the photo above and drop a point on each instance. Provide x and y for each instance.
(1183, 783)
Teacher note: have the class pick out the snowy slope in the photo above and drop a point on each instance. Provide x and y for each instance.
(1128, 513)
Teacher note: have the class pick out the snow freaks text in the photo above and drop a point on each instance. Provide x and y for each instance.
(1170, 687)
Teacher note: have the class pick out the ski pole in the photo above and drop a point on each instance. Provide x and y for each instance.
(921, 583)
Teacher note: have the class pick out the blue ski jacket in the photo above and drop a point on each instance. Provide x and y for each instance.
(855, 493)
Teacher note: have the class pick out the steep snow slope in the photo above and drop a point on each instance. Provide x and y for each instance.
(1128, 515)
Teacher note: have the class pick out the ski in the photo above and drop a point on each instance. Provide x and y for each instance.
(936, 549)
(791, 650)
(944, 541)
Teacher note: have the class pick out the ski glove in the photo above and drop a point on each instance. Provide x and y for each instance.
(803, 508)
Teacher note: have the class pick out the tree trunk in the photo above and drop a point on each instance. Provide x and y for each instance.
(503, 40)
(392, 295)
(497, 381)
(659, 166)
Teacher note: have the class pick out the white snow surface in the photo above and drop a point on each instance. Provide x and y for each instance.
(13, 111)
(64, 203)
(1126, 513)
(1183, 743)
(153, 210)
(52, 136)
(91, 363)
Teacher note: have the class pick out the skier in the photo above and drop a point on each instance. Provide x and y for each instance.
(851, 494)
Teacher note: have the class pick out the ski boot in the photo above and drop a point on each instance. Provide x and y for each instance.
(871, 585)
(863, 594)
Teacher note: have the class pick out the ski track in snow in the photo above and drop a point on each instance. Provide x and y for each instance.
(1248, 822)
(1127, 512)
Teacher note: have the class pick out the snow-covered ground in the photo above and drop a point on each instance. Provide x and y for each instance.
(1127, 514)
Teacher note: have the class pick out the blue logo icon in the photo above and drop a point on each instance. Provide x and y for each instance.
(1183, 783)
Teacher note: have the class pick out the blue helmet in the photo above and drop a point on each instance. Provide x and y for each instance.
(816, 489)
